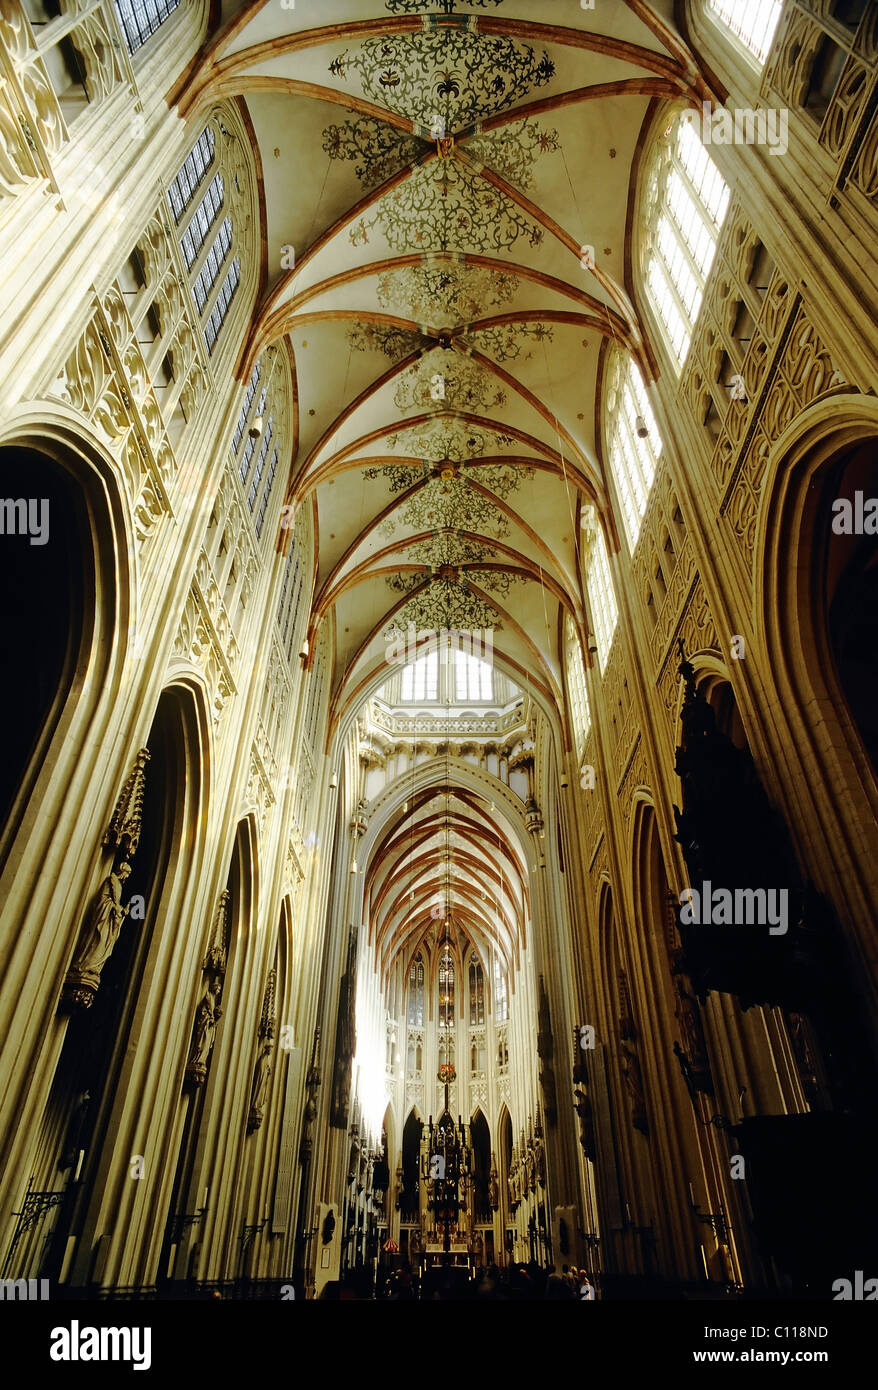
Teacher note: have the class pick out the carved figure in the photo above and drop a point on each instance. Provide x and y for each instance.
(262, 1068)
(261, 1074)
(529, 1170)
(540, 1160)
(100, 932)
(346, 1037)
(207, 1016)
(634, 1082)
(493, 1185)
(586, 1123)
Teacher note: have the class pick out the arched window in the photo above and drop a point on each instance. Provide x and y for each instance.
(753, 22)
(246, 406)
(633, 440)
(601, 596)
(139, 19)
(192, 172)
(577, 694)
(290, 596)
(315, 690)
(416, 993)
(501, 1002)
(221, 304)
(262, 440)
(202, 220)
(446, 989)
(214, 275)
(684, 209)
(420, 679)
(474, 679)
(476, 994)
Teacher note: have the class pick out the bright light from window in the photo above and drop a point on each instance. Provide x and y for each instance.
(420, 679)
(692, 204)
(473, 678)
(501, 1000)
(753, 22)
(602, 598)
(577, 693)
(633, 458)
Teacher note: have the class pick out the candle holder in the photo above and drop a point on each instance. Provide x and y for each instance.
(180, 1222)
(715, 1220)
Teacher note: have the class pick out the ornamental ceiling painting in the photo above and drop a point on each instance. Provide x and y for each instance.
(436, 169)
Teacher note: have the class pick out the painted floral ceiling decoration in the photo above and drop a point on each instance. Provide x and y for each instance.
(503, 478)
(380, 148)
(394, 342)
(445, 6)
(514, 150)
(449, 502)
(443, 603)
(448, 548)
(454, 73)
(447, 206)
(446, 439)
(454, 550)
(398, 476)
(507, 341)
(446, 294)
(448, 381)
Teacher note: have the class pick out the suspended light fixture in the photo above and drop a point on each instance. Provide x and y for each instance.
(641, 427)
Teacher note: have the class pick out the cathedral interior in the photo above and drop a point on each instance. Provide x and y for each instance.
(439, 839)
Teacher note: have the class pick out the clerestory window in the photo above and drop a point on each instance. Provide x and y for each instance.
(687, 204)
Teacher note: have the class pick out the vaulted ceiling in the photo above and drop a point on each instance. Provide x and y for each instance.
(447, 865)
(435, 169)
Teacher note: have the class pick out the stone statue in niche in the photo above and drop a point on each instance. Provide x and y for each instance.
(540, 1159)
(312, 1086)
(546, 1052)
(634, 1082)
(207, 1016)
(346, 1036)
(530, 1184)
(103, 921)
(586, 1123)
(493, 1185)
(99, 934)
(209, 1013)
(512, 1179)
(262, 1067)
(261, 1075)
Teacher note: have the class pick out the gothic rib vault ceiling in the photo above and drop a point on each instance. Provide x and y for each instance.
(447, 863)
(416, 263)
